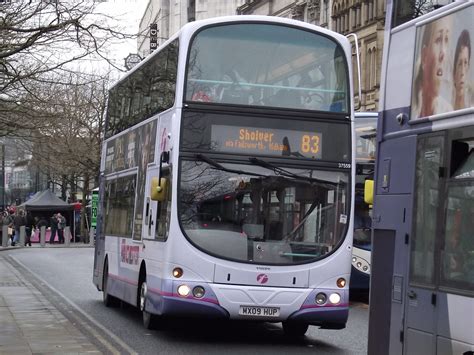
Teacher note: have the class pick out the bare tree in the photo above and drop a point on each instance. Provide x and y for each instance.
(65, 143)
(42, 43)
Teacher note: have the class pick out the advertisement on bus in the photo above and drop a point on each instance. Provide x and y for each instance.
(443, 78)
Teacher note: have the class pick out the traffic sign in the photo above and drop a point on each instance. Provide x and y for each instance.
(94, 207)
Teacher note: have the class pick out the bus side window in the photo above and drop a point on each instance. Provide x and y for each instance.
(163, 211)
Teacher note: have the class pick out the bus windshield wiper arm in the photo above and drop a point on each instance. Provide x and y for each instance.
(218, 166)
(303, 220)
(283, 172)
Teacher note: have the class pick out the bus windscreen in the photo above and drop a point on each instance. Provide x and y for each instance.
(267, 65)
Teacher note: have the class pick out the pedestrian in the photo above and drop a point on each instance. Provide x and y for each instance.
(54, 227)
(5, 220)
(61, 225)
(18, 222)
(29, 226)
(41, 222)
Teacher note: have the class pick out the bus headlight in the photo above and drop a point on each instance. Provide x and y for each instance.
(199, 292)
(335, 298)
(361, 264)
(183, 290)
(321, 298)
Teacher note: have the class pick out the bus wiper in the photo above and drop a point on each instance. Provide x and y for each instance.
(303, 220)
(283, 172)
(218, 166)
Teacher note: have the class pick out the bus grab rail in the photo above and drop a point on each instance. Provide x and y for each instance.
(356, 42)
(221, 82)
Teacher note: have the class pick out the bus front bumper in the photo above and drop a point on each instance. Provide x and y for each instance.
(166, 304)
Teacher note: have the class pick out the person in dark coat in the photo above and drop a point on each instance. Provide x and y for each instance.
(54, 227)
(29, 226)
(61, 225)
(18, 221)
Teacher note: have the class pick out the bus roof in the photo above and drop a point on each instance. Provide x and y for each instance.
(190, 28)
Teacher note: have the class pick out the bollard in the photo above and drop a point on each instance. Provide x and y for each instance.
(43, 236)
(91, 236)
(22, 236)
(67, 236)
(4, 236)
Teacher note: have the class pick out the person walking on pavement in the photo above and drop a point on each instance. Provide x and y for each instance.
(5, 220)
(41, 222)
(18, 221)
(61, 225)
(29, 226)
(54, 227)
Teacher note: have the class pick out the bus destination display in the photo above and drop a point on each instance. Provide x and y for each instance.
(266, 141)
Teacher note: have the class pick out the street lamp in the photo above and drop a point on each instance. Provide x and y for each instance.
(3, 177)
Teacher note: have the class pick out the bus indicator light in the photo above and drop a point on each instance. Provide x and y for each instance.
(341, 282)
(177, 272)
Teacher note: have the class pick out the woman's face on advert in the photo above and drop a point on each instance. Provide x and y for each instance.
(461, 69)
(435, 54)
(440, 47)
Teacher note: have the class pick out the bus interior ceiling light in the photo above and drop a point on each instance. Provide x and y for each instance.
(184, 290)
(334, 298)
(177, 272)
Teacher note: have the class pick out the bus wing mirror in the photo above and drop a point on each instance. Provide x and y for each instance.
(369, 192)
(159, 189)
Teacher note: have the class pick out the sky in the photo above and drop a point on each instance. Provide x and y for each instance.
(127, 15)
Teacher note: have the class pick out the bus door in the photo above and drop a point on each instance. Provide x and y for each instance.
(151, 207)
(99, 233)
(421, 296)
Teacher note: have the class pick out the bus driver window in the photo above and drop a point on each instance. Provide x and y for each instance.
(458, 254)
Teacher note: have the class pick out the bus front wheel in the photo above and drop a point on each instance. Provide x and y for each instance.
(295, 329)
(149, 319)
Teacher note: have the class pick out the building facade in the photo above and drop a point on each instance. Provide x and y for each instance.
(170, 15)
(365, 18)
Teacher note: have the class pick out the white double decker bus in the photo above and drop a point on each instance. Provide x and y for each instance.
(227, 177)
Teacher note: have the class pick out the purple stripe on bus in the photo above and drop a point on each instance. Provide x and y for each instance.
(330, 317)
(342, 305)
(168, 294)
(120, 278)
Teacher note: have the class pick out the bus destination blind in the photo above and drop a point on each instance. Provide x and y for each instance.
(266, 141)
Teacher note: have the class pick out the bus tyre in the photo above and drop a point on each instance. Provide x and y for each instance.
(295, 329)
(109, 300)
(149, 319)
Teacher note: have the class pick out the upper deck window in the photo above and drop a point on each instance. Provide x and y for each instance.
(366, 130)
(267, 65)
(145, 92)
(406, 10)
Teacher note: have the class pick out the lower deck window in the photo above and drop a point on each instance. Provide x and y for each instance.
(119, 206)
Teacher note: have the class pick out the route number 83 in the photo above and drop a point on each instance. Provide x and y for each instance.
(310, 144)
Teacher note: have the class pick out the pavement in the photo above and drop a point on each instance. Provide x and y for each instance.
(29, 323)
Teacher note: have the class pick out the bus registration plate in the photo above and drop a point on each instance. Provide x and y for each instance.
(259, 311)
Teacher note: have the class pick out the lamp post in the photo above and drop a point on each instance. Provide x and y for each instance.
(3, 177)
